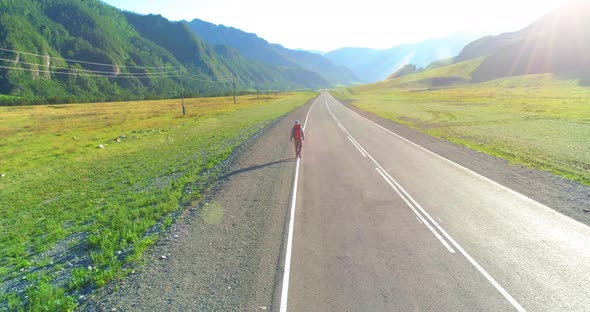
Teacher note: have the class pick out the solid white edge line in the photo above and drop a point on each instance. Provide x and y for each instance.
(419, 220)
(286, 272)
(522, 196)
(498, 287)
(360, 151)
(287, 268)
(442, 240)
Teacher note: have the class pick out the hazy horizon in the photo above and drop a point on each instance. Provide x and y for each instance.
(330, 25)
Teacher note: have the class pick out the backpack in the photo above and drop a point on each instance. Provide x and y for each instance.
(297, 129)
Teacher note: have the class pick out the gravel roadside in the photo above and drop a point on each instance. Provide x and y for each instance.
(222, 255)
(565, 196)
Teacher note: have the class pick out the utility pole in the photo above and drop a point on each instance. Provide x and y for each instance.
(182, 94)
(233, 80)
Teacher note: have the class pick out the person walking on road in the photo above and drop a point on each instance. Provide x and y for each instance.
(298, 135)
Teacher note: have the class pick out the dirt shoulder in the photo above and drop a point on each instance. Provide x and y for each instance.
(565, 196)
(222, 255)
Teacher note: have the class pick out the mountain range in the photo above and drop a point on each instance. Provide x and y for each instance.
(255, 48)
(372, 65)
(76, 51)
(557, 43)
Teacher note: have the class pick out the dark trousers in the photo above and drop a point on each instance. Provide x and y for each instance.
(298, 146)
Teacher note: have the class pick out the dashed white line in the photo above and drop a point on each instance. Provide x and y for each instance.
(385, 176)
(389, 180)
(522, 196)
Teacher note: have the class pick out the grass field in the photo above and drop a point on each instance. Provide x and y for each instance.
(539, 121)
(73, 213)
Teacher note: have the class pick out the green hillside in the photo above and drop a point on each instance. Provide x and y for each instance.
(61, 51)
(404, 71)
(297, 63)
(556, 43)
(86, 31)
(438, 77)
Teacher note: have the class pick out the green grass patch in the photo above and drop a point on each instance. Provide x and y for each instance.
(60, 192)
(538, 121)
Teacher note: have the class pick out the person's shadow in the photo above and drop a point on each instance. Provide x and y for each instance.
(256, 167)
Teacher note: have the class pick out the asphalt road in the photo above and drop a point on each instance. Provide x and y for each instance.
(380, 224)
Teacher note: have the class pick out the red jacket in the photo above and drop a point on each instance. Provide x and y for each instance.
(297, 133)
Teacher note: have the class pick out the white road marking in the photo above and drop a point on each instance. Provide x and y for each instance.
(462, 251)
(521, 196)
(286, 272)
(442, 240)
(419, 220)
(357, 143)
(357, 147)
(383, 173)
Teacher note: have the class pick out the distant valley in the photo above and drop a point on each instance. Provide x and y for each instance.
(372, 65)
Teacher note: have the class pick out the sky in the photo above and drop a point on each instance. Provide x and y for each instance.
(327, 25)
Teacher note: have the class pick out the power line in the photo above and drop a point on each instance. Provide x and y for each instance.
(89, 63)
(199, 73)
(133, 76)
(109, 74)
(83, 70)
(194, 76)
(204, 76)
(87, 73)
(205, 80)
(209, 77)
